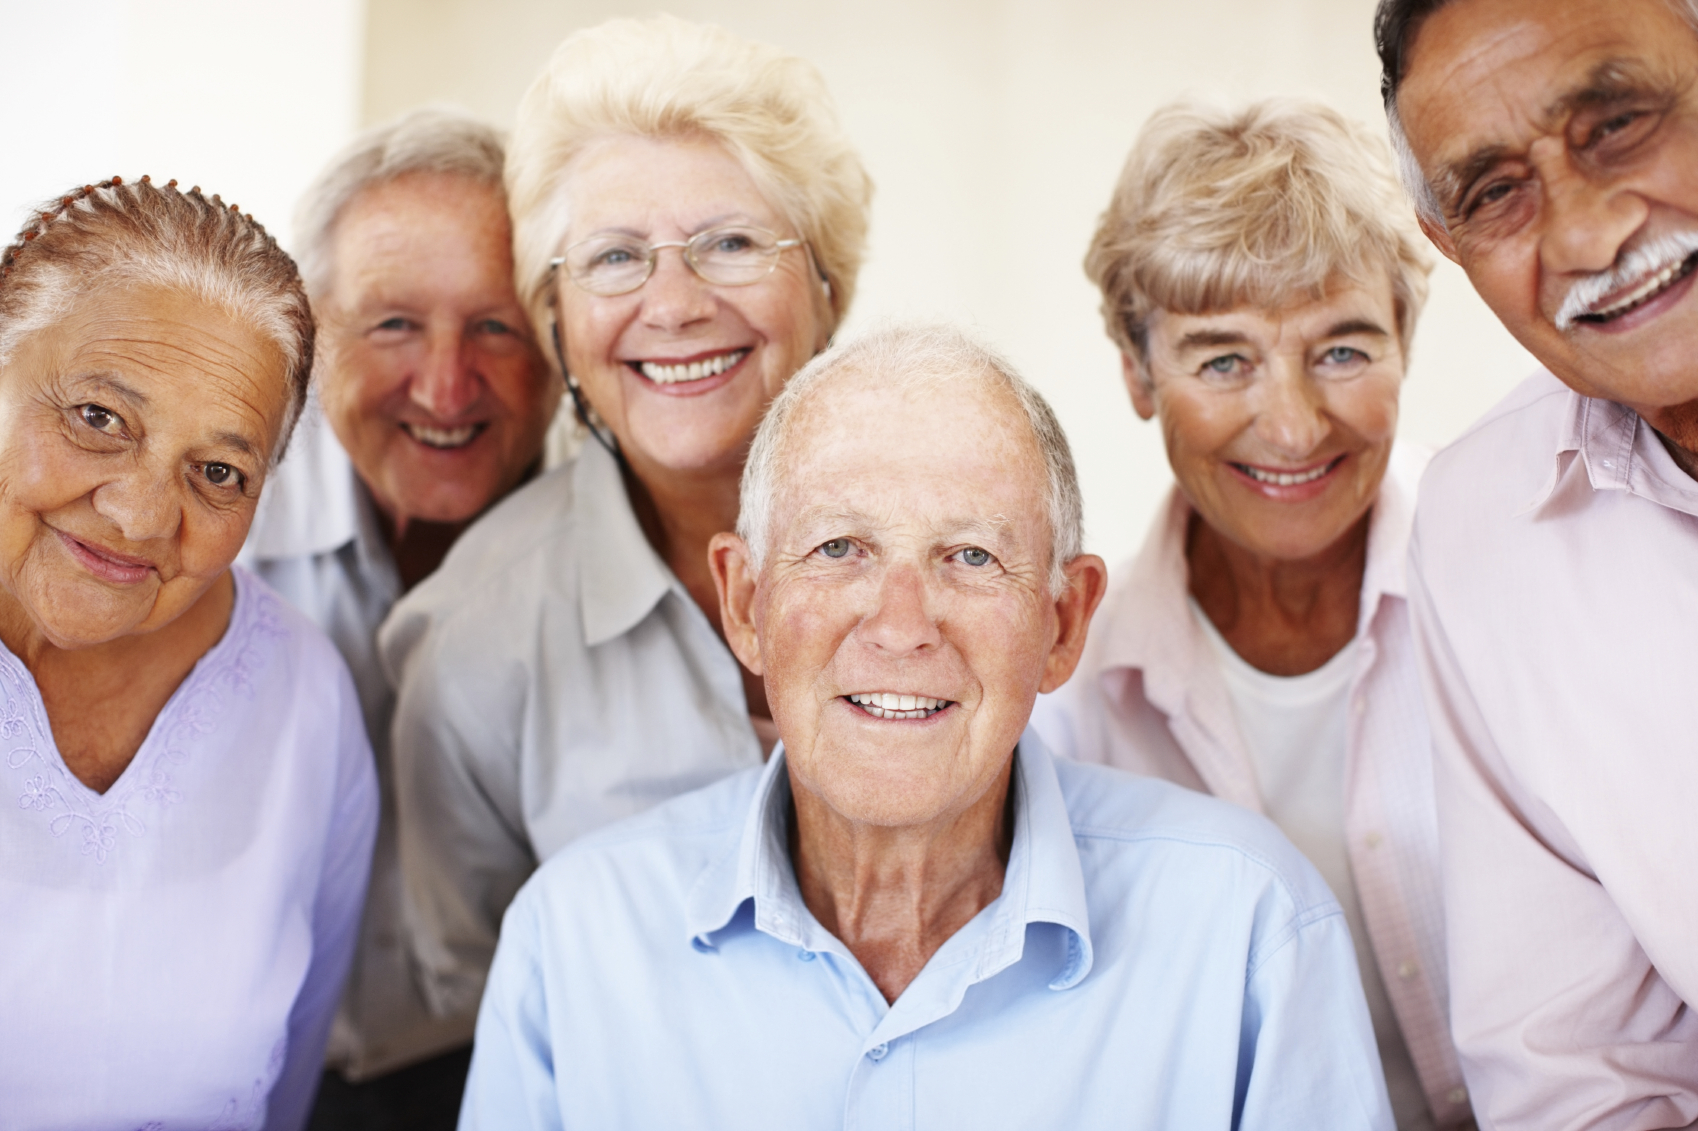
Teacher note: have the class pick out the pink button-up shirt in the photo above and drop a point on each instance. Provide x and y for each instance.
(1149, 697)
(1554, 585)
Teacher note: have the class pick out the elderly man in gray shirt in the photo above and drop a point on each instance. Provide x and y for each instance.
(432, 403)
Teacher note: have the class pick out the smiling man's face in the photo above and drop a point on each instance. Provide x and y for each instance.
(903, 617)
(430, 376)
(1561, 141)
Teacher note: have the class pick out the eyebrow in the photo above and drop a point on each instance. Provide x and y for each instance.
(238, 441)
(1356, 326)
(1608, 82)
(1197, 339)
(117, 385)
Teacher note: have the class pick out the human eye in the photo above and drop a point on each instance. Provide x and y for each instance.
(974, 556)
(835, 548)
(494, 326)
(1226, 371)
(101, 419)
(1342, 356)
(223, 476)
(614, 255)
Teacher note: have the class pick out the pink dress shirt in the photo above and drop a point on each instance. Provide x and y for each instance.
(1149, 697)
(1554, 584)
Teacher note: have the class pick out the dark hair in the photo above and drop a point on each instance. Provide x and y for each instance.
(1395, 25)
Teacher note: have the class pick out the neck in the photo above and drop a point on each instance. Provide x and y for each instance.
(1282, 617)
(679, 513)
(417, 547)
(895, 895)
(1677, 428)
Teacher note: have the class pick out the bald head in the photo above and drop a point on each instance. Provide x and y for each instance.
(853, 389)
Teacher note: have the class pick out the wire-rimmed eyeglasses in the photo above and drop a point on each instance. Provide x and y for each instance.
(612, 264)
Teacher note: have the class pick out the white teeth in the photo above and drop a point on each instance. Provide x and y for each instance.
(1286, 479)
(894, 705)
(442, 437)
(694, 371)
(1642, 292)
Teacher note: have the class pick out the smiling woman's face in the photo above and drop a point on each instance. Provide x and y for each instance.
(135, 433)
(681, 369)
(1278, 423)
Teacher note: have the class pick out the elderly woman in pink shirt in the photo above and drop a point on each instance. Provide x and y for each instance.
(1261, 274)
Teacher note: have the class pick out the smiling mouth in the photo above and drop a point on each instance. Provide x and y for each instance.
(1647, 290)
(895, 705)
(1288, 478)
(690, 370)
(443, 439)
(110, 566)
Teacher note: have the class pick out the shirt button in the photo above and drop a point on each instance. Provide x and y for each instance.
(1373, 840)
(1407, 969)
(805, 955)
(877, 1051)
(1457, 1095)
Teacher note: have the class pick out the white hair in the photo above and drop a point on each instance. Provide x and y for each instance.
(433, 140)
(669, 79)
(907, 357)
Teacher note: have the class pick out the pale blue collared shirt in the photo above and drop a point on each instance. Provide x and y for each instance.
(1156, 959)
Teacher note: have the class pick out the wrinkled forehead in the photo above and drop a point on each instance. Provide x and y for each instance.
(916, 450)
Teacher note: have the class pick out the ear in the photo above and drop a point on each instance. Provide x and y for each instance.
(734, 578)
(1439, 237)
(1137, 381)
(1087, 581)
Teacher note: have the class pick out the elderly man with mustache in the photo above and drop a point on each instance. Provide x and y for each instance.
(1553, 153)
(912, 916)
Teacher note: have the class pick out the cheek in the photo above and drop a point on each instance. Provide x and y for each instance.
(209, 540)
(1368, 407)
(1196, 427)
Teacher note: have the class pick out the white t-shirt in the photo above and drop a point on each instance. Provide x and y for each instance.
(1296, 730)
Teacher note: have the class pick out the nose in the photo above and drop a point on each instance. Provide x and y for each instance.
(1587, 221)
(1291, 418)
(903, 623)
(675, 296)
(446, 384)
(144, 505)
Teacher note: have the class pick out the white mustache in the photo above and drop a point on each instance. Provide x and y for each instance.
(1636, 265)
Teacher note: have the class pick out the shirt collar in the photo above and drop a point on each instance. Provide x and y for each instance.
(310, 505)
(621, 578)
(1615, 450)
(1044, 882)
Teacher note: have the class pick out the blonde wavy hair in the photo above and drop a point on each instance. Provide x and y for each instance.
(1264, 206)
(663, 77)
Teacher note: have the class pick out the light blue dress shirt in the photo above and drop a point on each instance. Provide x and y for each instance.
(1156, 959)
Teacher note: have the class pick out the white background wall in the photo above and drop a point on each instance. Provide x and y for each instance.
(994, 130)
(246, 99)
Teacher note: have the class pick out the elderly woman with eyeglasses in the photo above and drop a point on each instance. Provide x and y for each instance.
(1261, 274)
(689, 218)
(187, 801)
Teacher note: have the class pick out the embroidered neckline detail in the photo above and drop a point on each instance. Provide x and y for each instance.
(226, 672)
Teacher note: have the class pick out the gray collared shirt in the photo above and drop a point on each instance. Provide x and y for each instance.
(316, 540)
(553, 676)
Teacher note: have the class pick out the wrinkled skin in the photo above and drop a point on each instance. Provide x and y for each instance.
(1559, 139)
(135, 434)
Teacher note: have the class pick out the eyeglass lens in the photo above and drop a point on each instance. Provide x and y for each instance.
(614, 264)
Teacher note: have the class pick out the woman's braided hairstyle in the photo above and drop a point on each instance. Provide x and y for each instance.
(138, 234)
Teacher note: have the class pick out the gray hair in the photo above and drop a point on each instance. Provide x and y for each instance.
(432, 140)
(120, 234)
(1395, 25)
(908, 356)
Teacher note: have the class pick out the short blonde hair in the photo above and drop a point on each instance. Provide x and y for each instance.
(1265, 206)
(663, 77)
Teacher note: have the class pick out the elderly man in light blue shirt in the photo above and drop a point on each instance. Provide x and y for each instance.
(913, 916)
